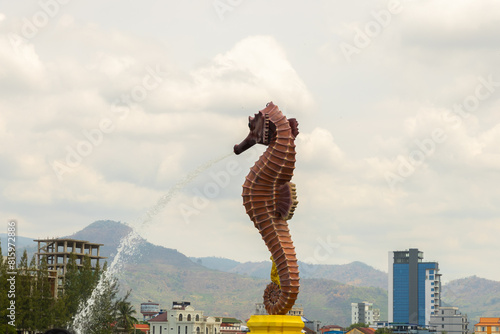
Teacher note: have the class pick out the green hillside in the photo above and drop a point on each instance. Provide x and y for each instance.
(355, 273)
(475, 296)
(224, 287)
(164, 275)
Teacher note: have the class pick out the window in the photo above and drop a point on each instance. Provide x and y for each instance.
(186, 330)
(189, 317)
(197, 317)
(432, 289)
(431, 277)
(206, 330)
(197, 330)
(442, 319)
(432, 307)
(178, 329)
(432, 296)
(431, 272)
(442, 326)
(160, 329)
(180, 317)
(154, 329)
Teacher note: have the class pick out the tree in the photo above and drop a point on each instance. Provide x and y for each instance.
(89, 301)
(125, 314)
(384, 330)
(43, 301)
(357, 325)
(4, 298)
(79, 282)
(24, 302)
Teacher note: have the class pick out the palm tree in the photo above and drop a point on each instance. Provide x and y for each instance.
(125, 316)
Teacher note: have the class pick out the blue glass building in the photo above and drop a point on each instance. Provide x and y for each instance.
(414, 288)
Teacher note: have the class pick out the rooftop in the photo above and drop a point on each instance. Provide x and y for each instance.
(231, 321)
(364, 330)
(68, 239)
(160, 318)
(142, 327)
(488, 321)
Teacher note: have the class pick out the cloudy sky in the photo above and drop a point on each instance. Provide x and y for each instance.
(120, 109)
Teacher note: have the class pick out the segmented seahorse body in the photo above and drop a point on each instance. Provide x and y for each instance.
(269, 199)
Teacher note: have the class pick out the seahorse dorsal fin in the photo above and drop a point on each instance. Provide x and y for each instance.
(295, 127)
(287, 200)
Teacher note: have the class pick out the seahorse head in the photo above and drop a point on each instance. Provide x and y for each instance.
(262, 128)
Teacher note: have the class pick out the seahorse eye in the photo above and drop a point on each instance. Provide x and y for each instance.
(249, 125)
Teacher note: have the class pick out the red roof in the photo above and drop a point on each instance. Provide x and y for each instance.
(160, 318)
(364, 330)
(142, 327)
(330, 327)
(488, 321)
(367, 330)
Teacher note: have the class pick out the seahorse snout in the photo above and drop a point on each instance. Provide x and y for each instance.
(244, 145)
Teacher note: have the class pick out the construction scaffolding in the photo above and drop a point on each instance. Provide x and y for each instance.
(57, 253)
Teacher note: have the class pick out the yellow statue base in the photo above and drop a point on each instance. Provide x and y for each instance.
(275, 324)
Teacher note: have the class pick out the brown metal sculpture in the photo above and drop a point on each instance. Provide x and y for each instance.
(270, 200)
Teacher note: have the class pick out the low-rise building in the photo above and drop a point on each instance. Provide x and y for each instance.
(362, 313)
(487, 326)
(141, 327)
(230, 326)
(380, 324)
(449, 320)
(182, 318)
(397, 328)
(149, 310)
(313, 325)
(332, 329)
(296, 310)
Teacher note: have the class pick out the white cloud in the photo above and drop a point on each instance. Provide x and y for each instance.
(21, 67)
(357, 121)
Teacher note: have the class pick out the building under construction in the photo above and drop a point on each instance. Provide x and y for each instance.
(57, 253)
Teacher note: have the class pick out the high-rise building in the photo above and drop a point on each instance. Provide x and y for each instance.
(414, 288)
(362, 313)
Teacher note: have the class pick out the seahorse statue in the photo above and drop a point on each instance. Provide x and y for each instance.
(270, 200)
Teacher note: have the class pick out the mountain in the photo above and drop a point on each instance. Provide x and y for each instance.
(217, 263)
(164, 275)
(22, 244)
(19, 241)
(355, 273)
(475, 296)
(107, 232)
(224, 287)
